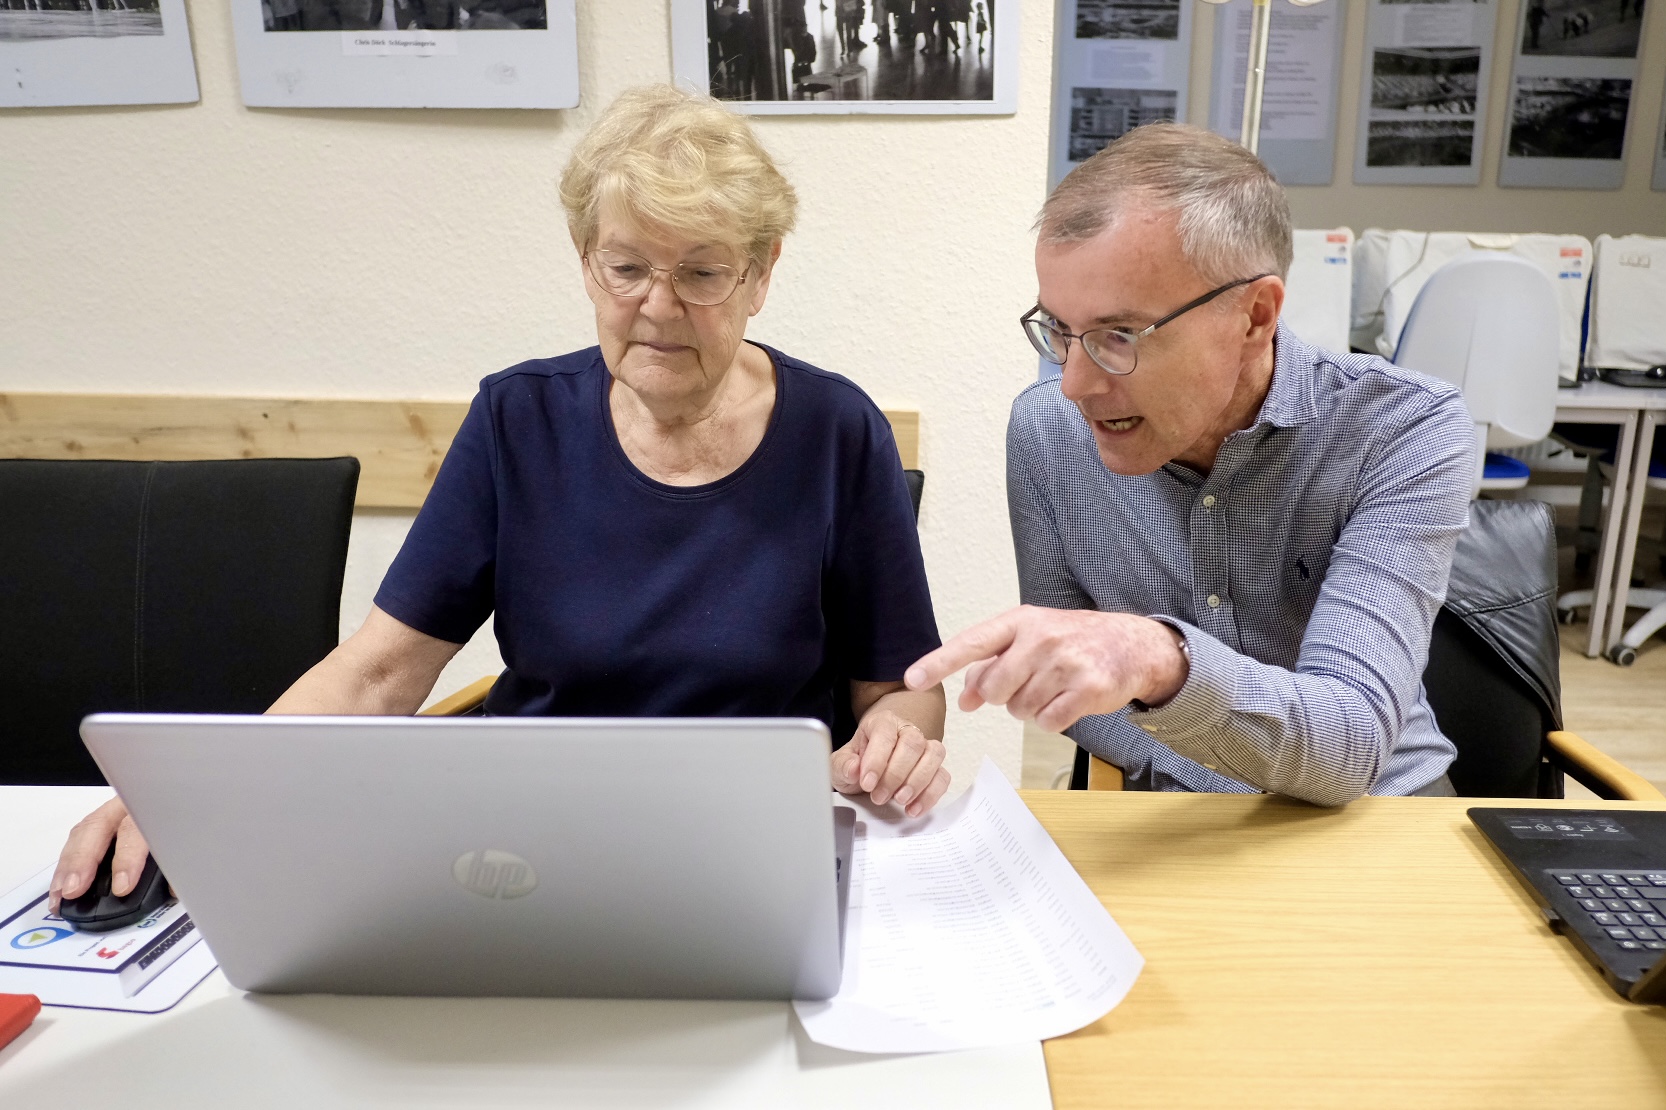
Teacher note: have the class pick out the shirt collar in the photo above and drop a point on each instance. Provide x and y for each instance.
(1289, 399)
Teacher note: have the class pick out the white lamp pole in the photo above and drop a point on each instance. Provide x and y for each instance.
(1249, 132)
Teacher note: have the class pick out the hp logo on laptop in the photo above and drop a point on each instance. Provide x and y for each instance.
(494, 874)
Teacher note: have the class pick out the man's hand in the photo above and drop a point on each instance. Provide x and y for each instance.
(891, 759)
(1056, 666)
(88, 841)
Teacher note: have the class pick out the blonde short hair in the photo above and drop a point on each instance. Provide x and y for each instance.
(1234, 220)
(663, 157)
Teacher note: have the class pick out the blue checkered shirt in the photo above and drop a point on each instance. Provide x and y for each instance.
(1305, 570)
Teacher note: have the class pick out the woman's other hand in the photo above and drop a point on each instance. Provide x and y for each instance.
(896, 754)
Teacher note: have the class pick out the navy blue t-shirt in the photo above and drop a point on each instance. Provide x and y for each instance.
(617, 595)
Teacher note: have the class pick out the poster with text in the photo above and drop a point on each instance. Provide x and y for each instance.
(840, 57)
(1117, 64)
(1423, 105)
(1298, 101)
(1570, 93)
(65, 53)
(407, 53)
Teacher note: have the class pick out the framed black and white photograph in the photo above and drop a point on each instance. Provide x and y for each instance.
(407, 53)
(1425, 92)
(1570, 94)
(1099, 117)
(778, 57)
(398, 15)
(1569, 117)
(1582, 28)
(1128, 19)
(64, 53)
(1420, 142)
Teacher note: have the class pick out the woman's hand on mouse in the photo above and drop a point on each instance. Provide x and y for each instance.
(88, 841)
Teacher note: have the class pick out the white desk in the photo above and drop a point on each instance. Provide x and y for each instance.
(1635, 412)
(222, 1048)
(1650, 417)
(1603, 403)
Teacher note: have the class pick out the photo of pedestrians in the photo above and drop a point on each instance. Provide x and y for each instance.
(1127, 19)
(403, 15)
(1583, 28)
(815, 52)
(28, 20)
(1099, 117)
(1569, 117)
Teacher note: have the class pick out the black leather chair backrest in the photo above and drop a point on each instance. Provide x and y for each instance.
(844, 718)
(1493, 679)
(159, 587)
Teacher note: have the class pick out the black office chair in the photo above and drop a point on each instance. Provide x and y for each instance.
(1492, 678)
(469, 700)
(197, 587)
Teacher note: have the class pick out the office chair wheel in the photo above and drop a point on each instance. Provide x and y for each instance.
(1567, 616)
(1623, 655)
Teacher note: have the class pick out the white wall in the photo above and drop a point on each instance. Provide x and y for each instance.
(214, 249)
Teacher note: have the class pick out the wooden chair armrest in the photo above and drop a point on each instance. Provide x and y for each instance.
(462, 701)
(1102, 775)
(1606, 776)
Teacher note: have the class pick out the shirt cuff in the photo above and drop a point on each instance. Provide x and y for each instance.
(1197, 715)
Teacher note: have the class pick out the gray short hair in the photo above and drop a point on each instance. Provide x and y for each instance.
(1234, 221)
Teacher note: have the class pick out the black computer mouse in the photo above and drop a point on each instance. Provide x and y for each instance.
(99, 911)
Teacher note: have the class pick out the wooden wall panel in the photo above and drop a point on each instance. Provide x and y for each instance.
(399, 444)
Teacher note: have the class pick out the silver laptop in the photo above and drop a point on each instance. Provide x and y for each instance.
(639, 858)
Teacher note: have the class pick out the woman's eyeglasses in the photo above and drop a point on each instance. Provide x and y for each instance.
(628, 275)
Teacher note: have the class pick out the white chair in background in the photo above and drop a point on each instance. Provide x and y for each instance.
(1488, 324)
(1318, 293)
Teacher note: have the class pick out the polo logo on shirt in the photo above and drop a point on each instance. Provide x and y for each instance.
(1301, 569)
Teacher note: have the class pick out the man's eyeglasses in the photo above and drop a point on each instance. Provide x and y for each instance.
(628, 275)
(1114, 350)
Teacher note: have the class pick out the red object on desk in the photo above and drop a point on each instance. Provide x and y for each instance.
(17, 1013)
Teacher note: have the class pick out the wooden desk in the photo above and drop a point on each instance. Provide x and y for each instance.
(1375, 955)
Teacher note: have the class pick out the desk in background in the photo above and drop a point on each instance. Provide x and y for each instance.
(1635, 412)
(1374, 955)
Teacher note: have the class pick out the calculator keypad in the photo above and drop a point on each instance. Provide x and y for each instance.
(1629, 907)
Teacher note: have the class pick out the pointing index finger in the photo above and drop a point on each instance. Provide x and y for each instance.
(981, 641)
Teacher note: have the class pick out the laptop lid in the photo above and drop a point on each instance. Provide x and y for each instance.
(688, 858)
(1599, 879)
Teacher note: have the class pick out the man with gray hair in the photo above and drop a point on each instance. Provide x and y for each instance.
(1231, 544)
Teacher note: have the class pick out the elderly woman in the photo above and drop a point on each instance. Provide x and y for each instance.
(676, 522)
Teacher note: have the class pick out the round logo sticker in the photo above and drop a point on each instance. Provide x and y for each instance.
(39, 938)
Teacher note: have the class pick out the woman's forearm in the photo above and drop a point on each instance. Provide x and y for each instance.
(385, 668)
(925, 709)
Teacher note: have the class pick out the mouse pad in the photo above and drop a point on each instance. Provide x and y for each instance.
(124, 969)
